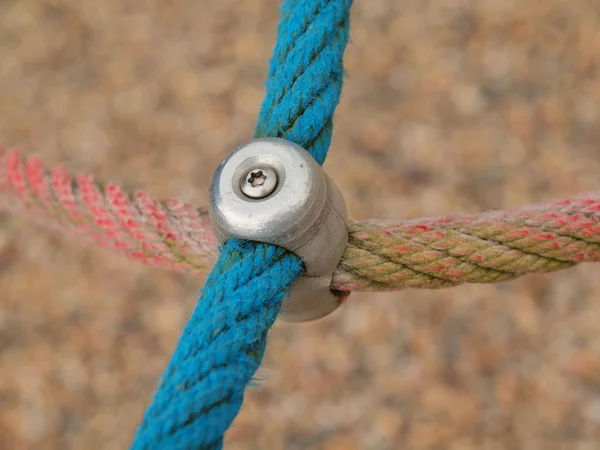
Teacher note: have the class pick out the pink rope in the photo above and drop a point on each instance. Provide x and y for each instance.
(427, 253)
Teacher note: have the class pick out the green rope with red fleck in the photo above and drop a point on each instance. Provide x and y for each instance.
(486, 248)
(429, 253)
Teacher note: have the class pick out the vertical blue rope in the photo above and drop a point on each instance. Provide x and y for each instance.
(306, 74)
(222, 345)
(220, 349)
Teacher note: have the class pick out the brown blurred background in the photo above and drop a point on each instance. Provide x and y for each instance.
(450, 106)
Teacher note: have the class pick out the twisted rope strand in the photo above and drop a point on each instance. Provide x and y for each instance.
(223, 344)
(428, 253)
(168, 234)
(486, 248)
(220, 349)
(306, 74)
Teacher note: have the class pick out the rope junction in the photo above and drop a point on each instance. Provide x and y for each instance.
(223, 344)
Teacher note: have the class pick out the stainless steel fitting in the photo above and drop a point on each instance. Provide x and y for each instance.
(271, 190)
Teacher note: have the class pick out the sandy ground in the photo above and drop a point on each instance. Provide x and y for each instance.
(450, 106)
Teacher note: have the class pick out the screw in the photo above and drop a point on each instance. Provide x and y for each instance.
(259, 182)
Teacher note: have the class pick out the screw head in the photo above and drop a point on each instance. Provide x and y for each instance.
(259, 182)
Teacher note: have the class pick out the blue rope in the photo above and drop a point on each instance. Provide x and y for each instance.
(220, 349)
(306, 74)
(222, 345)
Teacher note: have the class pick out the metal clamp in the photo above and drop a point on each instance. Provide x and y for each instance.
(272, 191)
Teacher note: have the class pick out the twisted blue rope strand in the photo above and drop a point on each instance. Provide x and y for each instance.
(306, 74)
(220, 348)
(223, 344)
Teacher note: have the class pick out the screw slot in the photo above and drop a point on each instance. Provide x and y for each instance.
(257, 178)
(259, 182)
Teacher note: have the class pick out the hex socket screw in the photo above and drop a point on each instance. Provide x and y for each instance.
(271, 190)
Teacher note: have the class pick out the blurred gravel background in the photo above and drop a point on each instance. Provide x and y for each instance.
(450, 106)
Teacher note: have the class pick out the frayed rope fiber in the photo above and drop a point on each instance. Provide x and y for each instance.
(223, 344)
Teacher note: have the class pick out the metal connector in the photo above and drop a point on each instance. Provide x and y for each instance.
(271, 190)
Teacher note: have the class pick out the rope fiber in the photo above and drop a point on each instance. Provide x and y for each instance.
(220, 349)
(306, 74)
(223, 343)
(485, 248)
(424, 253)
